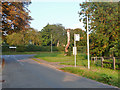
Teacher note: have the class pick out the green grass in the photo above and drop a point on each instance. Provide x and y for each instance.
(103, 75)
(59, 57)
(54, 57)
(111, 60)
(97, 73)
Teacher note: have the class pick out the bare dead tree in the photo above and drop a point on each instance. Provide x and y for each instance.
(68, 41)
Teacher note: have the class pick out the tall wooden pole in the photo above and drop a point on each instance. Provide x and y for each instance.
(51, 43)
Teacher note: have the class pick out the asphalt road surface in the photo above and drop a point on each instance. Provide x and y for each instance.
(22, 72)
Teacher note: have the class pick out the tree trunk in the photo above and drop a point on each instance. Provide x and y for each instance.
(58, 43)
(68, 42)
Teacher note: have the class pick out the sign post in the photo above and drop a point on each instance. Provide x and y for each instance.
(76, 38)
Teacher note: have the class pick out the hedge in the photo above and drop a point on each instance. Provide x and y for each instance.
(30, 48)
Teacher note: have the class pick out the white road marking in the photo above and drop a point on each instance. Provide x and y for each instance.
(18, 60)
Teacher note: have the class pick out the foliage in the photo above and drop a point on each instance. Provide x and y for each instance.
(54, 57)
(106, 78)
(82, 33)
(21, 49)
(103, 27)
(5, 48)
(31, 48)
(108, 64)
(101, 75)
(15, 16)
(58, 34)
(30, 36)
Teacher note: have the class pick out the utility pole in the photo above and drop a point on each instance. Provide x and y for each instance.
(88, 43)
(51, 43)
(75, 49)
(88, 54)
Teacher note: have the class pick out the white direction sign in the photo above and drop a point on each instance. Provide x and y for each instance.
(77, 37)
(74, 50)
(12, 47)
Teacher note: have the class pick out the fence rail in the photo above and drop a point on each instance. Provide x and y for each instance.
(102, 59)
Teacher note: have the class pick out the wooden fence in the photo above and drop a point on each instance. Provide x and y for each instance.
(103, 61)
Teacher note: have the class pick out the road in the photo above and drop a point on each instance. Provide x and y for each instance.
(22, 72)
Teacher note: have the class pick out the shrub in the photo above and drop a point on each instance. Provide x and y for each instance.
(5, 48)
(105, 78)
(20, 49)
(60, 48)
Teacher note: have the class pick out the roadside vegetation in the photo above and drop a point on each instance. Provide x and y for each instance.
(104, 41)
(104, 75)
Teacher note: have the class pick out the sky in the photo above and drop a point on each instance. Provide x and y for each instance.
(63, 12)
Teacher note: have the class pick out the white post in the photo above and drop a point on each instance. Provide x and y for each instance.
(75, 49)
(88, 44)
(51, 43)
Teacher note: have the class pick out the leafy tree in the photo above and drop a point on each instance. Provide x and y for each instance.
(82, 33)
(33, 37)
(58, 34)
(46, 36)
(103, 27)
(30, 36)
(15, 16)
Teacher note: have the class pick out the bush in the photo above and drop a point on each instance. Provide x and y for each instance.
(20, 49)
(81, 49)
(5, 48)
(105, 78)
(61, 48)
(30, 48)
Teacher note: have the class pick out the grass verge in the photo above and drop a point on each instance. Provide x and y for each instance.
(54, 57)
(103, 75)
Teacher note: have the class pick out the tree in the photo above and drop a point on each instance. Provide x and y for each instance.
(30, 36)
(33, 37)
(103, 27)
(58, 34)
(82, 33)
(67, 52)
(15, 16)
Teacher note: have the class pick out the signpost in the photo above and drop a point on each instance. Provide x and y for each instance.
(12, 48)
(76, 38)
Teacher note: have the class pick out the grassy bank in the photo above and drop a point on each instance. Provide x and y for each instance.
(59, 57)
(97, 73)
(103, 75)
(54, 57)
